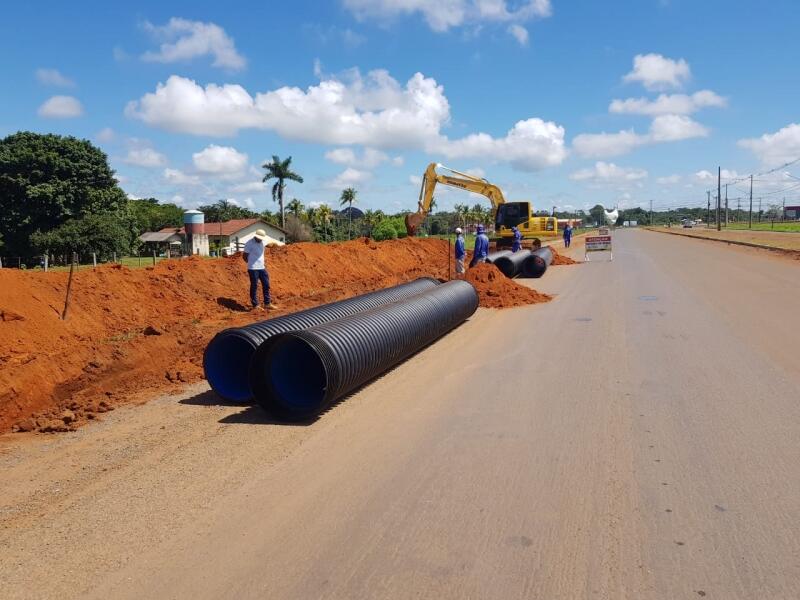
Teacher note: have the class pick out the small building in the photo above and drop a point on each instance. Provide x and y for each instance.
(225, 238)
(167, 241)
(231, 236)
(791, 212)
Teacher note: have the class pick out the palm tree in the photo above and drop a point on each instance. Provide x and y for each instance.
(348, 197)
(462, 210)
(295, 207)
(280, 170)
(324, 213)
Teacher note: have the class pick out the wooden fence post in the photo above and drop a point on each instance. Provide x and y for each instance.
(69, 286)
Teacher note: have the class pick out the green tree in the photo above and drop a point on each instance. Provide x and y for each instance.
(281, 171)
(324, 214)
(224, 210)
(597, 214)
(103, 234)
(384, 231)
(148, 214)
(295, 207)
(348, 197)
(46, 180)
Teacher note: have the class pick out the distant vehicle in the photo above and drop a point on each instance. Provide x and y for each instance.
(688, 223)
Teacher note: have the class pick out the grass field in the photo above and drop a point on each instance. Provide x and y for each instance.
(773, 239)
(790, 226)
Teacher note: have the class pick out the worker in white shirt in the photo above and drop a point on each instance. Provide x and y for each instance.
(256, 268)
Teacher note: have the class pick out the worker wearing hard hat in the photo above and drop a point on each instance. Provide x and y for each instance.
(517, 245)
(257, 270)
(481, 247)
(567, 235)
(461, 252)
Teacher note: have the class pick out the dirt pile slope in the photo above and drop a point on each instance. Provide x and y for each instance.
(561, 259)
(131, 332)
(498, 291)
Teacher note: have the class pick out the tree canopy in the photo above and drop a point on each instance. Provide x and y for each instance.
(47, 180)
(282, 171)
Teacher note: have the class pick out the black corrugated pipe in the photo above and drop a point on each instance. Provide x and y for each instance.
(536, 264)
(227, 356)
(493, 256)
(298, 374)
(511, 265)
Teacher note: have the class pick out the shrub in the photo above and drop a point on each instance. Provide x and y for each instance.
(384, 231)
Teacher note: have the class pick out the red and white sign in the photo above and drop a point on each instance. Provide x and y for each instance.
(598, 243)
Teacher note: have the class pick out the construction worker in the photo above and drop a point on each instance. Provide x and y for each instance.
(567, 235)
(461, 252)
(481, 247)
(517, 245)
(256, 268)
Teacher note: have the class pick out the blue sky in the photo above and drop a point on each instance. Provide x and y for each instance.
(563, 102)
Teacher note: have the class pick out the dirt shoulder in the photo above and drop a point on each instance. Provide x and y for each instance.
(786, 242)
(132, 333)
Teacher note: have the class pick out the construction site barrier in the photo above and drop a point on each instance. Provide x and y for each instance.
(297, 375)
(511, 265)
(227, 356)
(536, 264)
(493, 256)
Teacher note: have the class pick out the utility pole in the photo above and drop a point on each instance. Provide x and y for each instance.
(783, 210)
(750, 219)
(708, 209)
(739, 208)
(719, 194)
(759, 210)
(651, 212)
(726, 205)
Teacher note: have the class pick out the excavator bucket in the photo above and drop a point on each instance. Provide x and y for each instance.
(413, 221)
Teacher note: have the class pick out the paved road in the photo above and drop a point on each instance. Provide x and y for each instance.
(635, 438)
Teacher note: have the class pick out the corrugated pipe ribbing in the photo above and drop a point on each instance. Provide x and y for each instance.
(227, 356)
(298, 374)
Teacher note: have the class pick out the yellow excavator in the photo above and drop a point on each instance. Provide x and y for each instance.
(506, 214)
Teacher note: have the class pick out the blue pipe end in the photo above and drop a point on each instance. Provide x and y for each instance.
(226, 363)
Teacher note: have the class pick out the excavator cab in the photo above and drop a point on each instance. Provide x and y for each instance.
(511, 214)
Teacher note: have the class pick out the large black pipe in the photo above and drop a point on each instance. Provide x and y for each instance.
(298, 374)
(227, 356)
(493, 256)
(536, 264)
(511, 265)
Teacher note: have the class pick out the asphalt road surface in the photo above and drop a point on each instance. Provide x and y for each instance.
(635, 438)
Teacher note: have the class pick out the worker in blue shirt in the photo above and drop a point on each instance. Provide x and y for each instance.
(461, 253)
(481, 247)
(517, 245)
(567, 235)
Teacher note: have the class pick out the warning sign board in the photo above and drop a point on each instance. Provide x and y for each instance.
(598, 243)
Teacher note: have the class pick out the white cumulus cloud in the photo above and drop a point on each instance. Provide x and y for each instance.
(369, 158)
(145, 157)
(53, 77)
(668, 180)
(220, 160)
(446, 14)
(105, 135)
(350, 177)
(657, 72)
(664, 128)
(603, 172)
(519, 32)
(178, 177)
(530, 145)
(61, 107)
(184, 40)
(775, 148)
(605, 145)
(673, 128)
(372, 110)
(669, 104)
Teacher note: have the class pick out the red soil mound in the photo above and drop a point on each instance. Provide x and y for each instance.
(498, 291)
(561, 259)
(132, 332)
